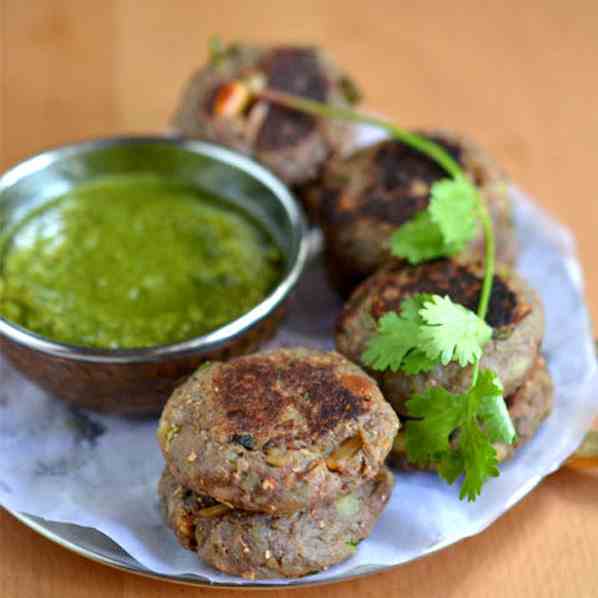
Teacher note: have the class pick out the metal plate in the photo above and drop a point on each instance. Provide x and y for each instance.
(93, 545)
(97, 546)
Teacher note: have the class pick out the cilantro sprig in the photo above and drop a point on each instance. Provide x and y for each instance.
(430, 330)
(455, 432)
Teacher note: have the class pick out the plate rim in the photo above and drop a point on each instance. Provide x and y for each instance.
(133, 566)
(37, 524)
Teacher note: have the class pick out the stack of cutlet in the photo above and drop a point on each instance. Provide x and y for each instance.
(275, 462)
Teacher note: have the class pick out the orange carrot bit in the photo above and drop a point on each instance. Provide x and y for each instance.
(232, 99)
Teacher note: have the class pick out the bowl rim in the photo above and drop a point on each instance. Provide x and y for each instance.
(195, 345)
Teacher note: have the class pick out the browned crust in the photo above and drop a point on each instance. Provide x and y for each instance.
(361, 199)
(257, 545)
(395, 187)
(296, 71)
(253, 396)
(460, 281)
(510, 301)
(292, 144)
(261, 432)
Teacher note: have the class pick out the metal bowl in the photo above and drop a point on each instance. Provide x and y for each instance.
(138, 381)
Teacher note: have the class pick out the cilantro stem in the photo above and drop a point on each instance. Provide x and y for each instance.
(427, 147)
(489, 267)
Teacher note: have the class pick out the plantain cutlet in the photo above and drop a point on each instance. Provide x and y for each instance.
(360, 200)
(515, 313)
(277, 431)
(292, 144)
(260, 545)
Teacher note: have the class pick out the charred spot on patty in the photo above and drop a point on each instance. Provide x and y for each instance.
(399, 179)
(329, 401)
(397, 164)
(283, 128)
(264, 398)
(388, 208)
(446, 277)
(295, 71)
(246, 391)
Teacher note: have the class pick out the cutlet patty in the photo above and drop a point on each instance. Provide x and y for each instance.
(528, 407)
(360, 200)
(277, 431)
(293, 144)
(515, 313)
(258, 545)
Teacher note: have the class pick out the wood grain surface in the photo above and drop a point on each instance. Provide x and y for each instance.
(520, 77)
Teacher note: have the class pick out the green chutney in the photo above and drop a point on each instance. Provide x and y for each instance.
(134, 261)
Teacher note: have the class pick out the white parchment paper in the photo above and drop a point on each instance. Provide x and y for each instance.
(68, 466)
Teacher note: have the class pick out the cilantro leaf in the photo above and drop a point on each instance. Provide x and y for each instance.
(428, 331)
(451, 466)
(444, 228)
(440, 412)
(452, 332)
(456, 432)
(416, 362)
(493, 409)
(389, 346)
(395, 344)
(418, 240)
(452, 209)
(479, 461)
(410, 306)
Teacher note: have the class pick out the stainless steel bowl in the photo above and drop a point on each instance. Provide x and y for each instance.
(137, 381)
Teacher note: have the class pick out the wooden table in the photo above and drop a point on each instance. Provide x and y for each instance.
(518, 77)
